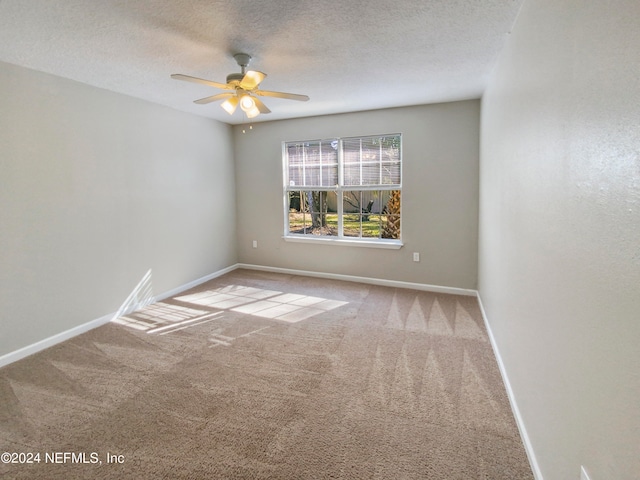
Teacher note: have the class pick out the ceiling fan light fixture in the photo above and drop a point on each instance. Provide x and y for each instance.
(254, 112)
(248, 106)
(230, 105)
(247, 103)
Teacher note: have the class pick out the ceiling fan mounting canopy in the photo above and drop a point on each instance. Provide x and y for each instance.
(242, 85)
(243, 59)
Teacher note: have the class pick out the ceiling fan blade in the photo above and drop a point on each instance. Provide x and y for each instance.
(252, 79)
(187, 78)
(288, 96)
(261, 106)
(213, 98)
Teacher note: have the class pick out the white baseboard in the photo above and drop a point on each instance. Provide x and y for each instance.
(195, 283)
(53, 340)
(512, 400)
(368, 280)
(85, 327)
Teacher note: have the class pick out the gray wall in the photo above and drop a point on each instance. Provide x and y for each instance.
(439, 197)
(95, 189)
(559, 255)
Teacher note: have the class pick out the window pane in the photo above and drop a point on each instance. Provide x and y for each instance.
(297, 212)
(370, 174)
(296, 222)
(351, 175)
(390, 174)
(329, 162)
(362, 212)
(372, 160)
(364, 202)
(295, 175)
(312, 163)
(312, 175)
(370, 150)
(351, 225)
(294, 202)
(329, 175)
(391, 221)
(312, 213)
(351, 150)
(351, 202)
(371, 228)
(331, 224)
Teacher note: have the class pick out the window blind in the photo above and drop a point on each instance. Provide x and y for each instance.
(312, 164)
(366, 161)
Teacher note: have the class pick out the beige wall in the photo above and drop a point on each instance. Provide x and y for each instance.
(559, 256)
(95, 189)
(440, 190)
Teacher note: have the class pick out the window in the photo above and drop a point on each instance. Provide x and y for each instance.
(344, 188)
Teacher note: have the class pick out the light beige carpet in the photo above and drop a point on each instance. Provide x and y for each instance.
(268, 376)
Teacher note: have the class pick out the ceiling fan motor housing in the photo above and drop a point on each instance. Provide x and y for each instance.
(235, 77)
(243, 60)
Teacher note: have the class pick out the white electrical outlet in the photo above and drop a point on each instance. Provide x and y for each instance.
(255, 244)
(416, 256)
(583, 473)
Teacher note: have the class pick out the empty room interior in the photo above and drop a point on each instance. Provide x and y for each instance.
(407, 245)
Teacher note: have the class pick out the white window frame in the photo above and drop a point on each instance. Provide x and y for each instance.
(339, 189)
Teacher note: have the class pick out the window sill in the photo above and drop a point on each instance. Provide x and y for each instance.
(385, 244)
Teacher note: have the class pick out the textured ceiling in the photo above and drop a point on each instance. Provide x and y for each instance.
(346, 55)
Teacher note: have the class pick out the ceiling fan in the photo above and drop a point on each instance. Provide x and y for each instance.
(244, 89)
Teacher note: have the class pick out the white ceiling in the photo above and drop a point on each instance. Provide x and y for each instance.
(346, 55)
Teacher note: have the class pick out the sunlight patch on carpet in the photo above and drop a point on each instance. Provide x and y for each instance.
(272, 304)
(191, 310)
(160, 315)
